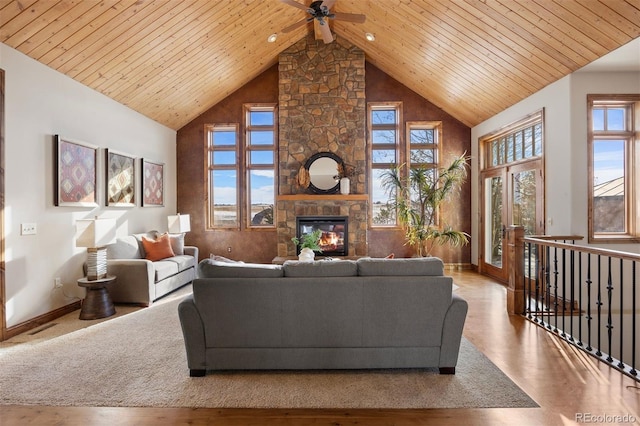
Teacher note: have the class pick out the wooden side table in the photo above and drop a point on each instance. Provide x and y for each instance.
(97, 304)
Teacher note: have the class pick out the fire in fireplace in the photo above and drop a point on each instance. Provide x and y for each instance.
(334, 240)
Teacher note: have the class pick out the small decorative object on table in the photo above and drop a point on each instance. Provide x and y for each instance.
(309, 244)
(345, 171)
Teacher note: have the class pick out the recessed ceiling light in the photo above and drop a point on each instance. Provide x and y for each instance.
(272, 38)
(370, 37)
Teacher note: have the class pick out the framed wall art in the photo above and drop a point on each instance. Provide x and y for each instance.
(152, 184)
(120, 179)
(75, 164)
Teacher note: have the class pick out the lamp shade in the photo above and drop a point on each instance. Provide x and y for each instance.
(95, 232)
(179, 223)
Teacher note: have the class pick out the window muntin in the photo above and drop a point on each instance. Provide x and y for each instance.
(384, 141)
(423, 144)
(261, 122)
(613, 182)
(515, 144)
(222, 147)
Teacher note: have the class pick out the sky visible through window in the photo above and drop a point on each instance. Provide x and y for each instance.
(608, 155)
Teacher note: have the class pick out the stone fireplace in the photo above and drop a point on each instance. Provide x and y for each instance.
(322, 108)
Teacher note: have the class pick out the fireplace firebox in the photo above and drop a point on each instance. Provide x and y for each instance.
(334, 240)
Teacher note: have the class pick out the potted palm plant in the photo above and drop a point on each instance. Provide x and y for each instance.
(417, 193)
(309, 244)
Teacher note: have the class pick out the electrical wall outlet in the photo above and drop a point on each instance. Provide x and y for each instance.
(57, 282)
(228, 249)
(28, 229)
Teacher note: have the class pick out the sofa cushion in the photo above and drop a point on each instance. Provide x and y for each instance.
(209, 268)
(164, 269)
(177, 243)
(183, 261)
(320, 268)
(157, 249)
(402, 267)
(124, 248)
(151, 235)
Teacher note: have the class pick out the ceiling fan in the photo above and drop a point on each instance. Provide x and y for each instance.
(320, 11)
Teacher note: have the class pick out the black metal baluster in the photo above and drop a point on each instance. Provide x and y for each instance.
(621, 287)
(599, 303)
(634, 313)
(527, 284)
(589, 317)
(580, 299)
(548, 286)
(555, 288)
(572, 295)
(609, 319)
(564, 292)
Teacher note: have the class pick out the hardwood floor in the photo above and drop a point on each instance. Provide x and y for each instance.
(565, 383)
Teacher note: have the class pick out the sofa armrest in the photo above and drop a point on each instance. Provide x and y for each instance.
(193, 333)
(135, 281)
(452, 332)
(192, 251)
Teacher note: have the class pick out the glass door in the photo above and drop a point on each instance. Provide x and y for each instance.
(511, 195)
(494, 220)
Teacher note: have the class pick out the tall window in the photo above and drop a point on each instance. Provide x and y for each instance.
(614, 214)
(223, 172)
(260, 161)
(384, 141)
(423, 146)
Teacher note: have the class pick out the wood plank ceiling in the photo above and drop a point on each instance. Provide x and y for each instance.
(171, 60)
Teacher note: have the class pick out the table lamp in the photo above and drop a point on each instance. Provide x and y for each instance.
(95, 234)
(179, 224)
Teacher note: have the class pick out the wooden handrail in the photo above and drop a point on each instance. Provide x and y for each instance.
(585, 249)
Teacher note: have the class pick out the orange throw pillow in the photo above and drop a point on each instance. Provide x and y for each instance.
(158, 249)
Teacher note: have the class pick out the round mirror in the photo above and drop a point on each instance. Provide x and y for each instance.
(323, 168)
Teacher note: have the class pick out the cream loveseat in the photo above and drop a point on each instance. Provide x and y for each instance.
(141, 281)
(343, 314)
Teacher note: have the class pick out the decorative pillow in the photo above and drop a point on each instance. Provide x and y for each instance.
(177, 244)
(223, 259)
(320, 268)
(208, 268)
(404, 266)
(158, 249)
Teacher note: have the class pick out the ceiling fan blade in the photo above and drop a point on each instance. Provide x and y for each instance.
(350, 17)
(295, 26)
(327, 37)
(295, 4)
(328, 3)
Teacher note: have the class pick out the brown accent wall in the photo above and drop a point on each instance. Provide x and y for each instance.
(246, 244)
(262, 245)
(456, 140)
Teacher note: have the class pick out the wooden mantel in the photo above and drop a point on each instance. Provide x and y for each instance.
(311, 197)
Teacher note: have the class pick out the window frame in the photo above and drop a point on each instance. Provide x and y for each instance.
(249, 167)
(631, 139)
(436, 146)
(210, 168)
(397, 147)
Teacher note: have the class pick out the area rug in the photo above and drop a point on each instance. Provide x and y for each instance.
(138, 360)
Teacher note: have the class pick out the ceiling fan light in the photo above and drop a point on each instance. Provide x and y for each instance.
(370, 37)
(273, 37)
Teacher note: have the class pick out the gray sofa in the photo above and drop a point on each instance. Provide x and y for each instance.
(141, 281)
(369, 313)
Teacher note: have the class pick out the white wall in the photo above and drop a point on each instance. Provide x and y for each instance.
(40, 103)
(565, 126)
